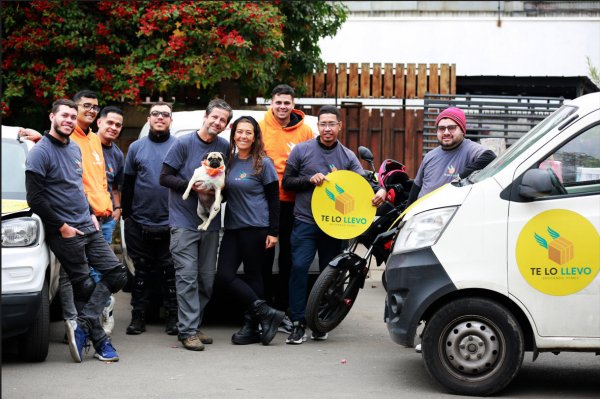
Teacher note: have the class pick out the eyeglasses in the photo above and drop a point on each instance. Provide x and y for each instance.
(331, 125)
(164, 114)
(450, 128)
(90, 107)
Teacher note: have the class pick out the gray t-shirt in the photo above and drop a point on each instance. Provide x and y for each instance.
(246, 201)
(115, 165)
(185, 156)
(308, 158)
(440, 166)
(144, 160)
(60, 165)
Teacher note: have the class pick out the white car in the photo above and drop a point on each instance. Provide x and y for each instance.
(29, 269)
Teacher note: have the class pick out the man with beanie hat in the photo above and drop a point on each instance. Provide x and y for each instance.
(455, 157)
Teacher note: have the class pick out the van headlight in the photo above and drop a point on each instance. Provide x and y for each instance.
(21, 232)
(423, 229)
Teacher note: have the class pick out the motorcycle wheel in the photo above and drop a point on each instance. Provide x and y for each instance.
(332, 297)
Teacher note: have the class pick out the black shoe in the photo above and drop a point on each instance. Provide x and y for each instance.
(269, 319)
(171, 326)
(298, 334)
(138, 323)
(249, 333)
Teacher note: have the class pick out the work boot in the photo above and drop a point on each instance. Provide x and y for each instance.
(138, 323)
(249, 333)
(269, 320)
(171, 326)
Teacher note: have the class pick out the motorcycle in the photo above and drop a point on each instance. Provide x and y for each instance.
(337, 287)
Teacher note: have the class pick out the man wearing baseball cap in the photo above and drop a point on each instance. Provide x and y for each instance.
(455, 157)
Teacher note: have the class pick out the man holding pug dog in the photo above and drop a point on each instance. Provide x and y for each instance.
(194, 251)
(146, 214)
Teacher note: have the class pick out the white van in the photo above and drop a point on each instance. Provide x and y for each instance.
(506, 260)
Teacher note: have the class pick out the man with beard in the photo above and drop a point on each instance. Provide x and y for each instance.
(146, 213)
(194, 252)
(55, 192)
(455, 157)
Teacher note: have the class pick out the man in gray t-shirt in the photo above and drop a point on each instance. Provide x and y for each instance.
(307, 167)
(455, 157)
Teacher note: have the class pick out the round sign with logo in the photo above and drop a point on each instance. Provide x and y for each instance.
(558, 252)
(341, 206)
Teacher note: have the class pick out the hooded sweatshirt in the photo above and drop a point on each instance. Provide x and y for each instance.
(279, 142)
(94, 174)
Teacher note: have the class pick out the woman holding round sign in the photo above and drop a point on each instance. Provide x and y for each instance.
(251, 227)
(333, 203)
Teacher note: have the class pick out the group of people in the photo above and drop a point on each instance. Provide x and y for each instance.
(80, 184)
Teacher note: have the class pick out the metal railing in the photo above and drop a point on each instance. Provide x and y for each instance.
(500, 117)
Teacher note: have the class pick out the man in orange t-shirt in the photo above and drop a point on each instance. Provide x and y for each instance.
(282, 128)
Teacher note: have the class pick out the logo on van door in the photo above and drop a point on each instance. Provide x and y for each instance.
(558, 252)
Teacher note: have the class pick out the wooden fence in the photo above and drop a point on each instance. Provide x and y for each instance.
(388, 80)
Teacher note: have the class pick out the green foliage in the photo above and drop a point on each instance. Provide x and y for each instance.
(593, 71)
(127, 50)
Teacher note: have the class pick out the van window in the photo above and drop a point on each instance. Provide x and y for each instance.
(577, 163)
(539, 131)
(14, 154)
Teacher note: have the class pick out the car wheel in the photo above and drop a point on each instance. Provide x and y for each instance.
(473, 346)
(33, 345)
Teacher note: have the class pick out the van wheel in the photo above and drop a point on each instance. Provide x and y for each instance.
(33, 345)
(473, 346)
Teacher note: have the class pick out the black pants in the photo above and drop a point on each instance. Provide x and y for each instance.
(247, 246)
(278, 294)
(149, 251)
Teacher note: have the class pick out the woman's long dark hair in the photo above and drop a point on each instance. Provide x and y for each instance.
(257, 151)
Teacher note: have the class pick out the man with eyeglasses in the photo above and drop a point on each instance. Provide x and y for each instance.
(282, 128)
(146, 214)
(455, 157)
(307, 167)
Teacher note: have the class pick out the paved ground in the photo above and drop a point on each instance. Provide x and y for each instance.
(358, 361)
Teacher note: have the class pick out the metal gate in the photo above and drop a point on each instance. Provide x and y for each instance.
(498, 117)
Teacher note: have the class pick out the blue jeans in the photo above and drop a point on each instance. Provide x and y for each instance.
(108, 227)
(308, 239)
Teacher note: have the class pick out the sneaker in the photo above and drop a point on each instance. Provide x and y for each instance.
(204, 338)
(286, 325)
(106, 352)
(418, 348)
(192, 343)
(317, 336)
(78, 340)
(108, 321)
(297, 336)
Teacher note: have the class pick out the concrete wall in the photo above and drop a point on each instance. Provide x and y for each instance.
(520, 46)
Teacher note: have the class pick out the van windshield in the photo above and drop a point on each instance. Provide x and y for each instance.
(556, 118)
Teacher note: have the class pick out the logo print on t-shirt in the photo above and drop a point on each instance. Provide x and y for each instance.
(291, 146)
(78, 168)
(451, 171)
(242, 175)
(332, 167)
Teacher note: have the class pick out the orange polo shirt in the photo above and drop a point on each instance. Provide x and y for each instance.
(94, 174)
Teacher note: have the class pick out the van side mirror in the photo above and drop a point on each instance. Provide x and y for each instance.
(536, 183)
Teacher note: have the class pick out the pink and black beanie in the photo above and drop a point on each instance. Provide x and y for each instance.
(456, 114)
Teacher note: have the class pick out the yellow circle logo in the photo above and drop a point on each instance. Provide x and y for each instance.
(558, 252)
(341, 206)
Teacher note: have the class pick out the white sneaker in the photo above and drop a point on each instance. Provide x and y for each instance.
(418, 348)
(108, 321)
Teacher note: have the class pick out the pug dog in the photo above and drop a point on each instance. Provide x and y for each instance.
(212, 173)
